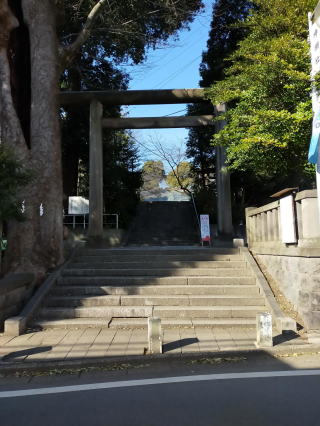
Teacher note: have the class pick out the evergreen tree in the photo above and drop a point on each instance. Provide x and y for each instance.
(226, 32)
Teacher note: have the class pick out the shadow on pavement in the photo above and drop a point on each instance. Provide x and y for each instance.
(285, 337)
(26, 352)
(179, 344)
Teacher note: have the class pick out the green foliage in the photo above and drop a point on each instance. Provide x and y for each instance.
(12, 178)
(226, 32)
(152, 174)
(267, 89)
(181, 177)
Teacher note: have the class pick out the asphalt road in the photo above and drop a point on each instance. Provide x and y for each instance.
(217, 399)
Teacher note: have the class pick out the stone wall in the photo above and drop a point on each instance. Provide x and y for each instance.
(295, 266)
(15, 290)
(299, 280)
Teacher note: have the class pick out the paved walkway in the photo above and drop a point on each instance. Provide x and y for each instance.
(90, 343)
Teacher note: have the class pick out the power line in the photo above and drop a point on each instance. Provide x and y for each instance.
(176, 112)
(174, 74)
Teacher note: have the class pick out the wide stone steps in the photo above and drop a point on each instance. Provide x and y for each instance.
(157, 272)
(154, 290)
(174, 312)
(184, 287)
(134, 300)
(153, 280)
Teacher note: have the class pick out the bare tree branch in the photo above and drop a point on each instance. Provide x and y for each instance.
(68, 53)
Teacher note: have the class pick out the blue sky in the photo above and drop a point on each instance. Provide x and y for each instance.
(175, 66)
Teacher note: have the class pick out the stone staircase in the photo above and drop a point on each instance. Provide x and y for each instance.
(185, 287)
(164, 223)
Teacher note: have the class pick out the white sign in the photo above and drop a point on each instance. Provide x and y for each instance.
(78, 205)
(288, 220)
(205, 227)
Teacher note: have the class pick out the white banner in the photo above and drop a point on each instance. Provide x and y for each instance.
(314, 38)
(205, 227)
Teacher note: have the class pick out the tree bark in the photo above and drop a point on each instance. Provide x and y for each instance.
(36, 243)
(45, 131)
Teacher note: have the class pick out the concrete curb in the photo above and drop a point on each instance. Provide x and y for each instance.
(43, 366)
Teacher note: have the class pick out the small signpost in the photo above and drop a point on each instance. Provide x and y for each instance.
(264, 330)
(205, 229)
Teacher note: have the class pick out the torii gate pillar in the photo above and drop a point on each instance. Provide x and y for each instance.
(95, 171)
(224, 211)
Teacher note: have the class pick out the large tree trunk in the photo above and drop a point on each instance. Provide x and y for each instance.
(36, 243)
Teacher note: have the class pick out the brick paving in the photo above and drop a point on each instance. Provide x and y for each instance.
(90, 343)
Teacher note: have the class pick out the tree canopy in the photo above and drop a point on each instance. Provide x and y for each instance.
(152, 173)
(181, 177)
(267, 89)
(119, 30)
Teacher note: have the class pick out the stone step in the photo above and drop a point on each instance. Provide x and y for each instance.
(158, 265)
(158, 258)
(132, 323)
(134, 300)
(175, 312)
(166, 272)
(158, 251)
(194, 312)
(145, 281)
(182, 323)
(156, 290)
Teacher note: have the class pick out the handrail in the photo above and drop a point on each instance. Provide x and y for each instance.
(85, 220)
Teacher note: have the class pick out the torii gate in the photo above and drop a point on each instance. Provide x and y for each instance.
(145, 97)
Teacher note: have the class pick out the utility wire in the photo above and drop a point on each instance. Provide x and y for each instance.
(177, 72)
(176, 112)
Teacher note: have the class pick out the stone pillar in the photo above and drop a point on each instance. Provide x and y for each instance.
(154, 335)
(95, 171)
(264, 330)
(224, 211)
(250, 228)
